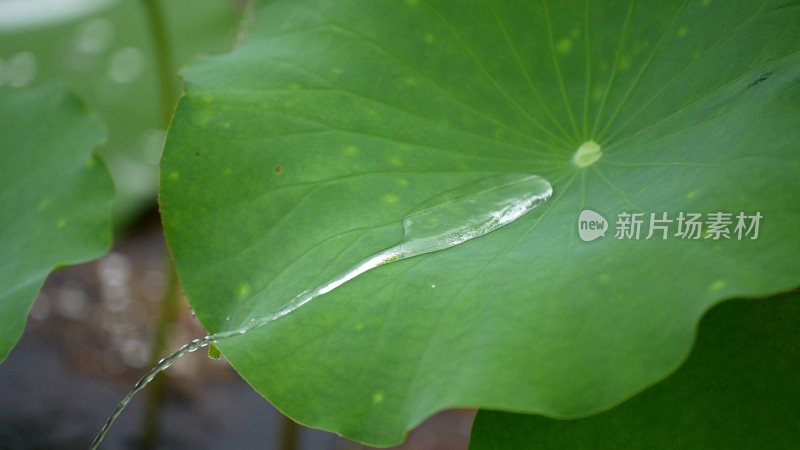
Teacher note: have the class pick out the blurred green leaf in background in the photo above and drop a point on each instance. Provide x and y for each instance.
(738, 389)
(55, 195)
(104, 50)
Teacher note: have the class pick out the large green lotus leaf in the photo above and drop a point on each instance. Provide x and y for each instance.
(738, 389)
(298, 155)
(55, 196)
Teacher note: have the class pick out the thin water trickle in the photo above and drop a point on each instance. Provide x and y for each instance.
(444, 221)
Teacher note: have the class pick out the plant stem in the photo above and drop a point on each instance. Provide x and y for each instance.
(155, 395)
(170, 301)
(289, 434)
(163, 54)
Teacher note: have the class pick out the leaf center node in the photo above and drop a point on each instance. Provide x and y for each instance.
(587, 154)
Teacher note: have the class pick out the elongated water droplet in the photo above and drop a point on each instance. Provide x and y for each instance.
(471, 211)
(443, 221)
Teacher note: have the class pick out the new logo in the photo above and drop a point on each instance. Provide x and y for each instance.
(591, 225)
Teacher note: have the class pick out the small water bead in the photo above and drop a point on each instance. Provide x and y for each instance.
(443, 221)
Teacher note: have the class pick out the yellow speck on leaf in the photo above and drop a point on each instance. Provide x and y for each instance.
(564, 46)
(390, 198)
(244, 290)
(717, 285)
(597, 92)
(624, 63)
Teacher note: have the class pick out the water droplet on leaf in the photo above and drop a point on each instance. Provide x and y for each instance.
(445, 220)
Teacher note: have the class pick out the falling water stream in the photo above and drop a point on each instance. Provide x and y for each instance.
(445, 220)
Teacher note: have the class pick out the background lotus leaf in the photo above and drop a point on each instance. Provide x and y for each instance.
(738, 389)
(55, 196)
